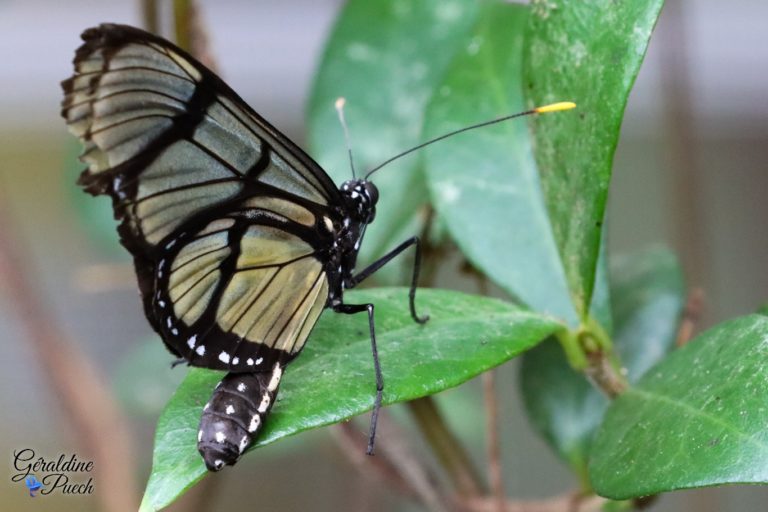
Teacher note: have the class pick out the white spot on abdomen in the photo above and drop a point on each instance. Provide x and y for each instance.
(264, 405)
(277, 373)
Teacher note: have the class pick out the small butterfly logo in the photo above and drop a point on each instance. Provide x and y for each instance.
(33, 485)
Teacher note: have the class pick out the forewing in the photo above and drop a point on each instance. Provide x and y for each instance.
(169, 141)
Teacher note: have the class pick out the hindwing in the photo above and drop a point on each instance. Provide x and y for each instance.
(240, 293)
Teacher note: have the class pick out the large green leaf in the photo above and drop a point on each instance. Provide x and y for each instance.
(647, 298)
(484, 182)
(333, 379)
(696, 419)
(385, 58)
(588, 52)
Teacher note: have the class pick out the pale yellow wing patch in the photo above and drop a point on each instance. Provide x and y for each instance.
(195, 273)
(277, 293)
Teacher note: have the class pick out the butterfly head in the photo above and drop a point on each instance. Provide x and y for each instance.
(360, 198)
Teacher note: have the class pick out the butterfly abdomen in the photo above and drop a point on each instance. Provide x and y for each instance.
(235, 414)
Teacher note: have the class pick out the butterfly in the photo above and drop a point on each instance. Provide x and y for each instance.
(239, 238)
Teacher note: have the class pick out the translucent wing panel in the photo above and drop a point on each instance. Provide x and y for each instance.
(268, 246)
(277, 288)
(229, 137)
(281, 209)
(122, 99)
(267, 314)
(290, 168)
(166, 198)
(195, 273)
(168, 140)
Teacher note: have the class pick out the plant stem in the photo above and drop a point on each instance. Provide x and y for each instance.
(495, 475)
(395, 463)
(691, 316)
(590, 350)
(574, 352)
(452, 456)
(604, 375)
(149, 15)
(603, 368)
(182, 15)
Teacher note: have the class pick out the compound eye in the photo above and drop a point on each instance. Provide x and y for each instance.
(372, 192)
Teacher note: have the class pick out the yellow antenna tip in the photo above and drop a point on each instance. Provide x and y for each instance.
(340, 103)
(555, 107)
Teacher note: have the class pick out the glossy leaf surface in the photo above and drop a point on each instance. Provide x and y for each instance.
(588, 52)
(696, 419)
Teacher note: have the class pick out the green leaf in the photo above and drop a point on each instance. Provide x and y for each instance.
(387, 70)
(484, 182)
(588, 52)
(647, 295)
(333, 378)
(600, 309)
(697, 419)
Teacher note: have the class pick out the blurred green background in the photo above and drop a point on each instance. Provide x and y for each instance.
(690, 173)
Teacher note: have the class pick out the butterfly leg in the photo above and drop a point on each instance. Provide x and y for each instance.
(177, 362)
(351, 309)
(376, 265)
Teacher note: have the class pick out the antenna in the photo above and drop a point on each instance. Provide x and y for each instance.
(554, 107)
(340, 111)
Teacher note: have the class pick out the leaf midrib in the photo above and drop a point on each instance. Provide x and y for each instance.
(692, 411)
(500, 316)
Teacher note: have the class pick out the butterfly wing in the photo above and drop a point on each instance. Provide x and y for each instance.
(240, 293)
(226, 218)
